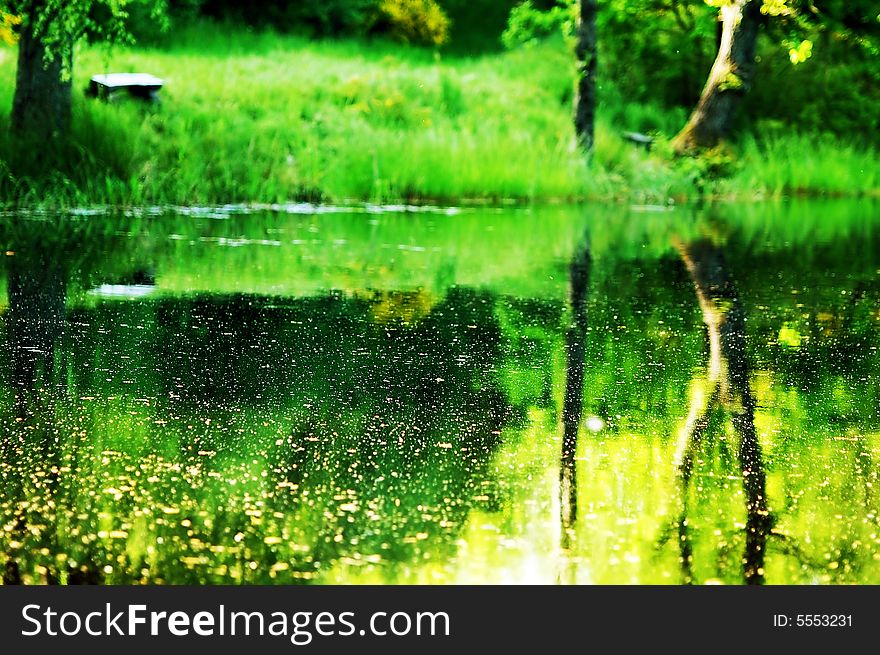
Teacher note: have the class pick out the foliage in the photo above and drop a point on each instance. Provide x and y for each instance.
(469, 24)
(262, 117)
(60, 23)
(415, 21)
(8, 28)
(656, 54)
(677, 38)
(317, 17)
(528, 25)
(476, 24)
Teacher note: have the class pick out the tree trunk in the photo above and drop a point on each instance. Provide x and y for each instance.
(41, 108)
(585, 89)
(730, 78)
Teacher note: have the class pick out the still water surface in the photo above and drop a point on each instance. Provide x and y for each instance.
(576, 395)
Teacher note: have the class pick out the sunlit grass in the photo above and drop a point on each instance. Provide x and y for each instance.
(261, 117)
(780, 165)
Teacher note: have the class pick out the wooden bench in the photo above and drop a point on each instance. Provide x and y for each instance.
(139, 85)
(639, 139)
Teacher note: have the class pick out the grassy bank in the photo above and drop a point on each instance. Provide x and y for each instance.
(252, 117)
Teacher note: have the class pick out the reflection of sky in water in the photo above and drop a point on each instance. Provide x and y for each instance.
(377, 397)
(123, 290)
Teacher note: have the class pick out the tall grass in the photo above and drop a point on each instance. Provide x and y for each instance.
(263, 117)
(780, 165)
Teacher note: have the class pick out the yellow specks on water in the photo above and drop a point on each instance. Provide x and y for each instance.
(194, 561)
(116, 493)
(272, 541)
(171, 510)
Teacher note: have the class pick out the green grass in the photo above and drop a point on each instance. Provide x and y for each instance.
(792, 164)
(260, 117)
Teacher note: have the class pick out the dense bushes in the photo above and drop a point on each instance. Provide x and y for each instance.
(418, 21)
(318, 17)
(464, 25)
(414, 21)
(654, 60)
(833, 91)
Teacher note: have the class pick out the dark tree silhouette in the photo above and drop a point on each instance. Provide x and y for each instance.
(728, 389)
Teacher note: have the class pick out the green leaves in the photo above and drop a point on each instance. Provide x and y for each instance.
(58, 24)
(528, 25)
(799, 53)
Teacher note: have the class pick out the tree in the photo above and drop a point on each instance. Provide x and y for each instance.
(576, 19)
(730, 77)
(47, 32)
(795, 23)
(585, 87)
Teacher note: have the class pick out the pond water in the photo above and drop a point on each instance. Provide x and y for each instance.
(575, 394)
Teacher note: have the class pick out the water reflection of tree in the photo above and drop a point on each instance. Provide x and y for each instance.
(36, 287)
(400, 465)
(572, 407)
(375, 437)
(43, 257)
(34, 322)
(727, 388)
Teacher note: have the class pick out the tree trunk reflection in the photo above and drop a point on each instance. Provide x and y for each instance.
(726, 389)
(34, 326)
(572, 408)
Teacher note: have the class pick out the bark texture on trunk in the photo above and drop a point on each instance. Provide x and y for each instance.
(585, 88)
(41, 107)
(730, 78)
(728, 387)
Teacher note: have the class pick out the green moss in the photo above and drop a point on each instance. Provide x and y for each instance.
(731, 82)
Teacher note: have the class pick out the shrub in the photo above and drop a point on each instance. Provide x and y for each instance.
(527, 24)
(414, 21)
(8, 24)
